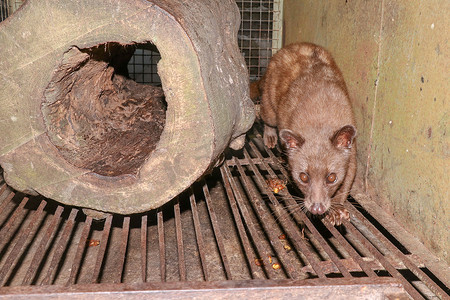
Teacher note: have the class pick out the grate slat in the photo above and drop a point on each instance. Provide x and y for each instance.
(216, 229)
(6, 230)
(198, 234)
(379, 256)
(162, 246)
(21, 241)
(180, 244)
(258, 238)
(80, 249)
(122, 250)
(144, 248)
(288, 224)
(102, 249)
(400, 256)
(2, 190)
(226, 177)
(41, 250)
(59, 251)
(268, 223)
(351, 251)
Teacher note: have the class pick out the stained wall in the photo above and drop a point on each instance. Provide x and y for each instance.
(395, 59)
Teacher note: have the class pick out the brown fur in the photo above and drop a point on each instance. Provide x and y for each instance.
(304, 96)
(255, 90)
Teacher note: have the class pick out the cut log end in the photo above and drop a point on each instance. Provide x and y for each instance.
(99, 119)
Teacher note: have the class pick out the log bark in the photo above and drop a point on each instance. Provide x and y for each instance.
(75, 129)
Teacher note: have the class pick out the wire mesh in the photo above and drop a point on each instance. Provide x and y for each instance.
(260, 33)
(4, 11)
(142, 66)
(7, 7)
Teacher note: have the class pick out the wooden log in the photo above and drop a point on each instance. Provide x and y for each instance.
(75, 129)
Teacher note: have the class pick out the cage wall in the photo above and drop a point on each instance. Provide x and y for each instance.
(394, 56)
(259, 37)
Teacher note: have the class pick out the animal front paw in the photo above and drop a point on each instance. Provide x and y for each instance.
(337, 215)
(270, 136)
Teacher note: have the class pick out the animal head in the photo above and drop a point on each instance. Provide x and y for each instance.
(319, 165)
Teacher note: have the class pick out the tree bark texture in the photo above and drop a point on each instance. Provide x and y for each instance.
(75, 129)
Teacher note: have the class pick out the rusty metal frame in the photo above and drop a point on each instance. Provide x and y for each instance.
(253, 289)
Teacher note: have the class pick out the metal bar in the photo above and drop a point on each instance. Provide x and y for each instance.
(350, 250)
(5, 232)
(180, 245)
(333, 256)
(80, 249)
(244, 162)
(21, 242)
(162, 246)
(226, 178)
(266, 161)
(351, 266)
(102, 249)
(273, 159)
(293, 205)
(258, 238)
(339, 288)
(122, 250)
(144, 248)
(397, 253)
(217, 232)
(41, 249)
(60, 246)
(3, 189)
(287, 223)
(198, 234)
(393, 271)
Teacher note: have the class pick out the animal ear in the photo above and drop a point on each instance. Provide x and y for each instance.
(290, 139)
(343, 138)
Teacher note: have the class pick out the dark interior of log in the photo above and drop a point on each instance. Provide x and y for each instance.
(98, 118)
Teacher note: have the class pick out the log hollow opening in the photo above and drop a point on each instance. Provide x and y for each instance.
(97, 117)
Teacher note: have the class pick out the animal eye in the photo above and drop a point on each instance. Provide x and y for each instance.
(331, 178)
(304, 177)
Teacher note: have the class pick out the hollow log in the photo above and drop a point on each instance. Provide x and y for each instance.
(76, 129)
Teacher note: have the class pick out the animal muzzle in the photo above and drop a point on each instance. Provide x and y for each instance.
(317, 209)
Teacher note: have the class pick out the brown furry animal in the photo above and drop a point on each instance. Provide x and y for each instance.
(304, 96)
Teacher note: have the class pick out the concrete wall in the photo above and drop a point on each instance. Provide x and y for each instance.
(395, 59)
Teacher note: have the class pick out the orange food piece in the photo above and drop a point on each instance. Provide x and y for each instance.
(258, 262)
(276, 266)
(276, 184)
(93, 243)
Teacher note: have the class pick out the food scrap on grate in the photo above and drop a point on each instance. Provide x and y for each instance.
(260, 262)
(276, 184)
(276, 266)
(93, 243)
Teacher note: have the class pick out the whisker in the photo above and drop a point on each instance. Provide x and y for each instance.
(295, 197)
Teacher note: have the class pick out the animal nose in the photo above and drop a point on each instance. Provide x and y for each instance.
(317, 209)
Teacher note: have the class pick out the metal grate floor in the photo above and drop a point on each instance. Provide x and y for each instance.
(226, 236)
